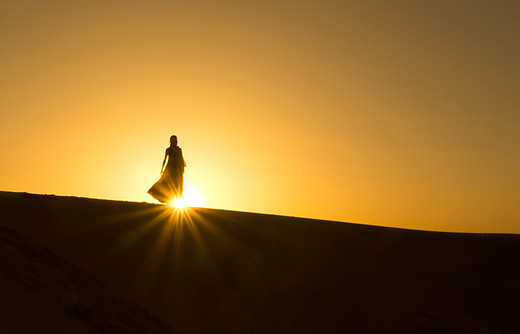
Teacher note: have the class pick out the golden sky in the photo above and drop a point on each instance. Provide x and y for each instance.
(395, 113)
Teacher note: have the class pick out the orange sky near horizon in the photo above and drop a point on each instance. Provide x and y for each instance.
(397, 113)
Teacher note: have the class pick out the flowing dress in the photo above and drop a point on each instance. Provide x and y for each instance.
(170, 185)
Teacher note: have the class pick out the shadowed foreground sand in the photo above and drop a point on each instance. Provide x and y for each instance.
(215, 271)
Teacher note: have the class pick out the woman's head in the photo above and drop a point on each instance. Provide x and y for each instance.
(173, 140)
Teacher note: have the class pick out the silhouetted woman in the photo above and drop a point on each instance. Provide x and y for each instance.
(170, 185)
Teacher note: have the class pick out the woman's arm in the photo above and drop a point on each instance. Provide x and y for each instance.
(182, 158)
(164, 161)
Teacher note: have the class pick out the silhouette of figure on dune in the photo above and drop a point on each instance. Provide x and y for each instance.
(170, 185)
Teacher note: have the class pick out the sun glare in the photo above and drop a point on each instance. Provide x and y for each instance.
(180, 203)
(192, 197)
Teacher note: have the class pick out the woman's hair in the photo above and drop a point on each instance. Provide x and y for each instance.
(173, 140)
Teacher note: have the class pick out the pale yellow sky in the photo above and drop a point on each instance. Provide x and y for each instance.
(399, 113)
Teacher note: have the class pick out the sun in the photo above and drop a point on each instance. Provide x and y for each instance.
(192, 197)
(180, 203)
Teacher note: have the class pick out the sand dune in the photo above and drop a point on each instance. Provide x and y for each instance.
(42, 293)
(215, 271)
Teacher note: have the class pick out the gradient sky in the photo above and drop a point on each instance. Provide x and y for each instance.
(395, 113)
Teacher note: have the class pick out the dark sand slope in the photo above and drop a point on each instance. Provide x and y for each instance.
(41, 293)
(216, 271)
